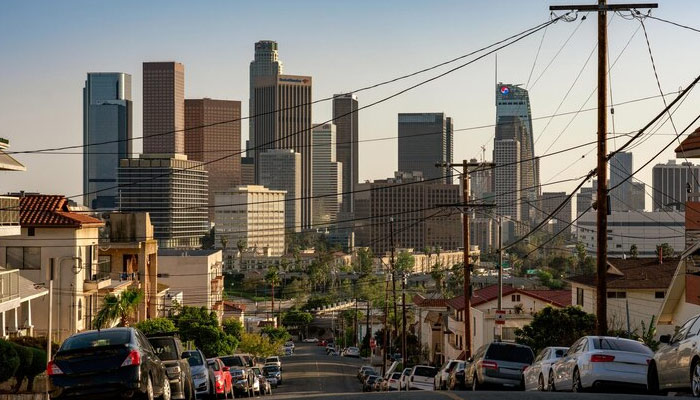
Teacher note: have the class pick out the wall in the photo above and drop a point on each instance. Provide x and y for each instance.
(192, 275)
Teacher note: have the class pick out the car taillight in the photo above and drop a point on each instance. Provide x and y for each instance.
(525, 367)
(489, 365)
(52, 369)
(602, 358)
(134, 358)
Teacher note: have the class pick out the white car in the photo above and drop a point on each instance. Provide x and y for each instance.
(352, 352)
(403, 381)
(536, 375)
(274, 360)
(443, 374)
(422, 377)
(595, 361)
(289, 343)
(393, 381)
(310, 340)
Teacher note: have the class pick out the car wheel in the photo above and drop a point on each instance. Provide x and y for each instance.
(475, 383)
(652, 380)
(149, 388)
(550, 383)
(166, 391)
(576, 382)
(695, 379)
(540, 383)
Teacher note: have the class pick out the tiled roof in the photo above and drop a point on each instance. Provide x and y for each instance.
(231, 306)
(690, 146)
(421, 301)
(51, 211)
(560, 298)
(639, 273)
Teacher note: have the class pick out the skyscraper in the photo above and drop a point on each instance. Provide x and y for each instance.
(211, 142)
(549, 201)
(621, 166)
(449, 147)
(423, 142)
(265, 63)
(163, 108)
(345, 118)
(328, 175)
(507, 175)
(286, 102)
(585, 198)
(107, 118)
(671, 183)
(280, 169)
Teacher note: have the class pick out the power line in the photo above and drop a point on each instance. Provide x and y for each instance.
(669, 22)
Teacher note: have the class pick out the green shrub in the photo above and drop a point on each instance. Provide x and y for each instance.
(32, 362)
(9, 362)
(156, 325)
(36, 342)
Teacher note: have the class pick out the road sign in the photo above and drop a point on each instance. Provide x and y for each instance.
(500, 317)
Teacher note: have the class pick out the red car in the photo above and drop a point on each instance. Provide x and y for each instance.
(321, 343)
(224, 383)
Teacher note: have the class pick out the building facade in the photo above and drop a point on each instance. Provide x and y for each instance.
(247, 171)
(163, 108)
(107, 119)
(671, 183)
(621, 167)
(423, 142)
(549, 201)
(174, 190)
(266, 62)
(507, 177)
(281, 169)
(211, 142)
(346, 120)
(585, 198)
(328, 176)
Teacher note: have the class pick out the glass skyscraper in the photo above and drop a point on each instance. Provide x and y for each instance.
(107, 116)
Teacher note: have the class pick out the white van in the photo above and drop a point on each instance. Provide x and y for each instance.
(422, 377)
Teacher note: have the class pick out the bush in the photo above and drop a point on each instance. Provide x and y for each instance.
(32, 363)
(36, 342)
(156, 325)
(9, 362)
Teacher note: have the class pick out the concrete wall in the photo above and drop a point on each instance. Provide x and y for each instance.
(192, 275)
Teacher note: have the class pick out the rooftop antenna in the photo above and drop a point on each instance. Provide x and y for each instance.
(483, 153)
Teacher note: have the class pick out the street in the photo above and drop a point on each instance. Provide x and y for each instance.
(311, 373)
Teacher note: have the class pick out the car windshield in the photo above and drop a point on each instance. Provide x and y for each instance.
(407, 371)
(256, 370)
(232, 361)
(271, 368)
(620, 345)
(272, 360)
(425, 371)
(97, 339)
(396, 375)
(213, 364)
(509, 352)
(165, 348)
(236, 372)
(194, 358)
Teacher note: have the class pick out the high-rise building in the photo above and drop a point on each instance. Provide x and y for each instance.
(423, 142)
(507, 176)
(253, 214)
(415, 224)
(285, 101)
(247, 171)
(345, 118)
(265, 63)
(481, 183)
(621, 166)
(211, 142)
(163, 108)
(107, 119)
(671, 183)
(173, 190)
(549, 201)
(585, 198)
(449, 147)
(280, 169)
(638, 196)
(328, 175)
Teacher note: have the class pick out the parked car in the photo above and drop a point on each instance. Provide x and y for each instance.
(403, 381)
(676, 364)
(368, 384)
(444, 373)
(393, 381)
(366, 374)
(243, 381)
(536, 376)
(456, 378)
(265, 386)
(422, 377)
(362, 370)
(310, 340)
(595, 361)
(171, 351)
(274, 360)
(352, 352)
(289, 343)
(288, 351)
(273, 372)
(223, 380)
(115, 361)
(202, 376)
(321, 343)
(378, 384)
(234, 361)
(499, 364)
(330, 347)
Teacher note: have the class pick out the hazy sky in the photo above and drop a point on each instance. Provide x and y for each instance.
(47, 48)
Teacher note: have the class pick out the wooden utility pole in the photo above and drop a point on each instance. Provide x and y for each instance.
(386, 324)
(602, 9)
(393, 276)
(404, 354)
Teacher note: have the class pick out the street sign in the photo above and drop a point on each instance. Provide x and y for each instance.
(500, 317)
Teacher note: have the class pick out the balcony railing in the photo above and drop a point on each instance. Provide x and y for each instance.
(98, 281)
(9, 285)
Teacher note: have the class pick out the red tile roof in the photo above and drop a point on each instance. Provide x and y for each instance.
(560, 298)
(231, 306)
(690, 146)
(421, 301)
(51, 211)
(637, 273)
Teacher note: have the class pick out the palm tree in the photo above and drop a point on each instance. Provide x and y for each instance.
(273, 279)
(118, 307)
(241, 244)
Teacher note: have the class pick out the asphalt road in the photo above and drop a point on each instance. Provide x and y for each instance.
(310, 373)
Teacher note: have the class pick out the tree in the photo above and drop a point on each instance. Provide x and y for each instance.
(209, 240)
(272, 277)
(634, 252)
(438, 275)
(259, 346)
(202, 326)
(665, 249)
(9, 362)
(556, 327)
(297, 318)
(363, 261)
(118, 307)
(404, 263)
(233, 327)
(156, 325)
(276, 334)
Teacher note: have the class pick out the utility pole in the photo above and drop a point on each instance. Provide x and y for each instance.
(500, 274)
(602, 9)
(386, 325)
(404, 355)
(393, 275)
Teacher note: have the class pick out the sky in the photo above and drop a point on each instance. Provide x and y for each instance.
(48, 47)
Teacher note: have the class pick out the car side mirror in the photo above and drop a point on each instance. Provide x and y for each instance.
(470, 359)
(226, 369)
(665, 339)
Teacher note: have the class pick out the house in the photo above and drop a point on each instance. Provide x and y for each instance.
(636, 290)
(431, 314)
(56, 243)
(235, 311)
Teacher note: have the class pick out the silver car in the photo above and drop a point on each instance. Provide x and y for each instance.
(677, 364)
(498, 363)
(202, 376)
(596, 361)
(536, 376)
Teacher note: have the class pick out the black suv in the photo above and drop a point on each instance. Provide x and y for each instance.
(169, 349)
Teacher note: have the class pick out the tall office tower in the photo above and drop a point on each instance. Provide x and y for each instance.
(345, 118)
(209, 141)
(549, 201)
(671, 183)
(265, 63)
(286, 102)
(281, 169)
(449, 147)
(173, 190)
(423, 143)
(247, 171)
(620, 168)
(107, 117)
(585, 198)
(328, 175)
(507, 177)
(163, 108)
(481, 183)
(638, 196)
(513, 102)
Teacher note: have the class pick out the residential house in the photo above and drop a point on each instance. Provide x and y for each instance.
(234, 311)
(431, 314)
